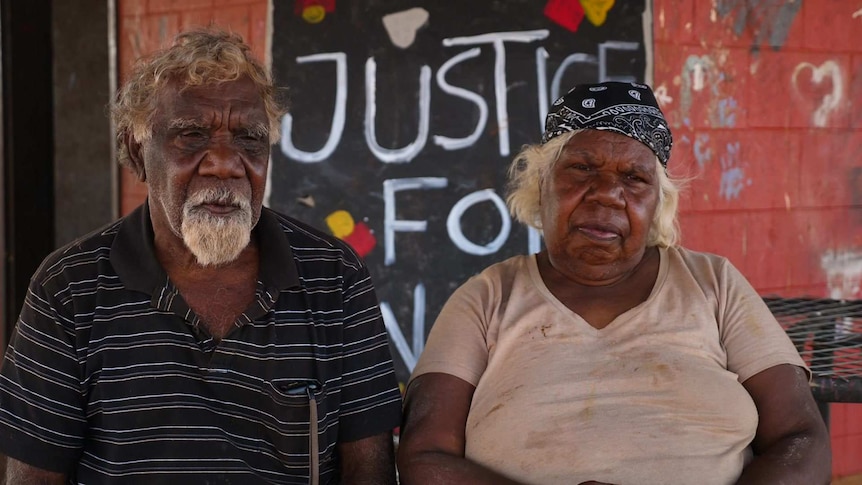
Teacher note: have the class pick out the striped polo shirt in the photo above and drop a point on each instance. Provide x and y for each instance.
(109, 375)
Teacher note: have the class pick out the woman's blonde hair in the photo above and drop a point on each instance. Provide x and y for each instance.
(198, 57)
(534, 162)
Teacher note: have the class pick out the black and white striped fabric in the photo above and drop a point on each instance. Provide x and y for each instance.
(108, 376)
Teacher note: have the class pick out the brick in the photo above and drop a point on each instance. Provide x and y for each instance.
(233, 19)
(134, 192)
(822, 233)
(222, 3)
(734, 170)
(673, 21)
(830, 170)
(770, 164)
(772, 250)
(140, 36)
(749, 25)
(832, 26)
(164, 6)
(793, 291)
(847, 455)
(798, 89)
(258, 13)
(715, 232)
(702, 88)
(855, 91)
(131, 8)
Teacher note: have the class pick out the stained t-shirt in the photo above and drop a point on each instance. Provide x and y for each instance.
(653, 398)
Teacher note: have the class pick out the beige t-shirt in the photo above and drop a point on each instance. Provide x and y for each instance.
(653, 398)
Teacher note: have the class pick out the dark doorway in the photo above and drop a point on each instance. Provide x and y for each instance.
(27, 151)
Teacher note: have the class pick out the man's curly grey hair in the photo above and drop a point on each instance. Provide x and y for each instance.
(197, 57)
(534, 162)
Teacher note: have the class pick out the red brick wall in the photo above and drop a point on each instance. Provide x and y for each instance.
(761, 97)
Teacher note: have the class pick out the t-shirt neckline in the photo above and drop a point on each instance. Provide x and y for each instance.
(536, 277)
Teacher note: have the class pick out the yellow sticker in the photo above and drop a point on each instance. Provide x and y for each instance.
(313, 14)
(340, 223)
(597, 10)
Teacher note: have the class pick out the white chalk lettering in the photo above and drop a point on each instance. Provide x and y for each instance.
(615, 45)
(407, 153)
(498, 39)
(456, 143)
(390, 223)
(534, 241)
(408, 355)
(453, 223)
(576, 58)
(338, 116)
(542, 85)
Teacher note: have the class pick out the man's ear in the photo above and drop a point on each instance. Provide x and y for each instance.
(136, 157)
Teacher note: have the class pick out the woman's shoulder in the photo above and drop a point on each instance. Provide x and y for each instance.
(508, 267)
(499, 277)
(695, 259)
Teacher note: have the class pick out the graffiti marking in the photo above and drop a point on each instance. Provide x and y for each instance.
(843, 273)
(662, 96)
(732, 174)
(402, 26)
(768, 20)
(828, 70)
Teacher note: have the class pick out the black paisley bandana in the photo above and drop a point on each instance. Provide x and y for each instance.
(627, 108)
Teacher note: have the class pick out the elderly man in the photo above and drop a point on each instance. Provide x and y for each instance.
(202, 338)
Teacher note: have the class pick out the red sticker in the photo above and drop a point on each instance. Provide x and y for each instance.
(361, 239)
(567, 13)
(301, 5)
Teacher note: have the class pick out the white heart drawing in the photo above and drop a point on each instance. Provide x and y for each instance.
(402, 26)
(831, 101)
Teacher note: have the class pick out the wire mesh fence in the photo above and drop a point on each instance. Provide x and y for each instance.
(828, 335)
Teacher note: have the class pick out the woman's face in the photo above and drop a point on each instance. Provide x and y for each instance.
(597, 204)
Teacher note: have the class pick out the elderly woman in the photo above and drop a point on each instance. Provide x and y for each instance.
(614, 355)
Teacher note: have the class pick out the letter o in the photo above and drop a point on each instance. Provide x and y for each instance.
(453, 223)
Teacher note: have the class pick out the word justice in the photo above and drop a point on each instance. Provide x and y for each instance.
(408, 152)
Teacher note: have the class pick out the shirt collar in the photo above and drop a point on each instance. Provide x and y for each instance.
(133, 253)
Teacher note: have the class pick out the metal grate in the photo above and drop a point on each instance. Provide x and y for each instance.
(828, 335)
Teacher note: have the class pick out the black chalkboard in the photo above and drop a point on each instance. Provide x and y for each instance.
(470, 60)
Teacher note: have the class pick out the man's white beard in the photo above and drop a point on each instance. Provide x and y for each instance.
(216, 240)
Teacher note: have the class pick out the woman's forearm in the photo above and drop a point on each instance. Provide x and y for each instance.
(438, 467)
(799, 459)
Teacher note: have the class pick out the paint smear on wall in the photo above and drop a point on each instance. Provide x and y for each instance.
(570, 13)
(357, 234)
(702, 75)
(733, 178)
(402, 26)
(819, 86)
(662, 96)
(769, 21)
(597, 10)
(565, 13)
(314, 11)
(843, 273)
(693, 78)
(702, 150)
